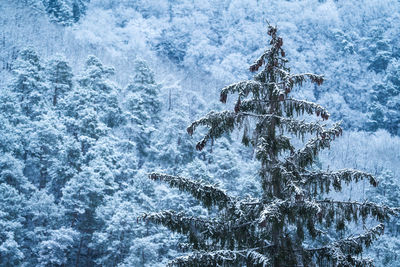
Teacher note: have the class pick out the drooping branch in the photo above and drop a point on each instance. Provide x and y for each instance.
(336, 178)
(272, 211)
(354, 209)
(316, 182)
(243, 88)
(341, 252)
(258, 259)
(223, 258)
(208, 194)
(352, 243)
(306, 155)
(217, 122)
(276, 210)
(328, 209)
(334, 256)
(209, 258)
(293, 126)
(214, 119)
(290, 106)
(303, 106)
(300, 127)
(225, 121)
(198, 230)
(298, 79)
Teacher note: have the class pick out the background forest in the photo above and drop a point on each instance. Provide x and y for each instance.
(95, 95)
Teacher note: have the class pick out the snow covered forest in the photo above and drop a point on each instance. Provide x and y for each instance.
(96, 95)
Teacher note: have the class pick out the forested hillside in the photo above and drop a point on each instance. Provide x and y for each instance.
(96, 95)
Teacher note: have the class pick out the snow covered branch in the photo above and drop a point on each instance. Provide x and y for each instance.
(306, 155)
(354, 209)
(217, 122)
(243, 88)
(343, 252)
(336, 178)
(208, 194)
(209, 258)
(301, 106)
(298, 79)
(198, 230)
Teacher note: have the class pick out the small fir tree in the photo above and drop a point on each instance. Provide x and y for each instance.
(283, 226)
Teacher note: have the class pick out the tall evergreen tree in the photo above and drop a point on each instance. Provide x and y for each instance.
(79, 9)
(29, 85)
(283, 226)
(90, 112)
(59, 74)
(14, 188)
(59, 11)
(386, 248)
(384, 104)
(143, 108)
(92, 109)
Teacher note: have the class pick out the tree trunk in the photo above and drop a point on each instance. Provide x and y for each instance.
(79, 252)
(55, 96)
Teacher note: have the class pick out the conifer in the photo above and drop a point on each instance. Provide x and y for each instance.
(285, 226)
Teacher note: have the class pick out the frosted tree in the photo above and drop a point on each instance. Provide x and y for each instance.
(59, 11)
(91, 109)
(114, 242)
(45, 138)
(283, 227)
(54, 250)
(59, 75)
(100, 93)
(62, 12)
(79, 9)
(80, 197)
(143, 106)
(42, 216)
(90, 112)
(386, 248)
(384, 104)
(14, 188)
(12, 229)
(174, 147)
(29, 84)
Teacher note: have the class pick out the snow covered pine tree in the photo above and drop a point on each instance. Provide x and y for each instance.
(281, 227)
